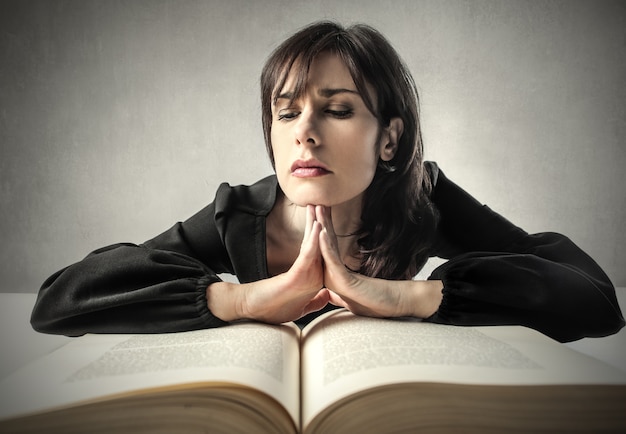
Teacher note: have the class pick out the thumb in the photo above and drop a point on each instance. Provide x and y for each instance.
(336, 273)
(310, 248)
(329, 250)
(318, 302)
(336, 300)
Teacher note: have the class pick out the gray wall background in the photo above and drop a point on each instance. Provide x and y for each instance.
(119, 118)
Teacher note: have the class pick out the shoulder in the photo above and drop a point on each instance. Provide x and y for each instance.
(431, 170)
(442, 188)
(465, 221)
(257, 198)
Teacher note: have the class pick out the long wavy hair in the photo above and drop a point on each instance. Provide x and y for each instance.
(398, 219)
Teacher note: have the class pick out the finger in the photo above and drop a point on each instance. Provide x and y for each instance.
(336, 300)
(329, 249)
(310, 218)
(310, 248)
(308, 226)
(324, 215)
(328, 218)
(318, 302)
(319, 213)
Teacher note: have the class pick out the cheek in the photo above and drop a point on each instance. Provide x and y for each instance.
(364, 153)
(277, 149)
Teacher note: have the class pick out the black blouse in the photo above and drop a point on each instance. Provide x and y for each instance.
(496, 273)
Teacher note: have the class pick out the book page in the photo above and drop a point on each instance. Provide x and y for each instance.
(343, 353)
(262, 356)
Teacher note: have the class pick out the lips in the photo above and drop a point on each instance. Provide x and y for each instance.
(308, 168)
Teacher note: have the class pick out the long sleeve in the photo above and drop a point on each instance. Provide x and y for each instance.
(499, 274)
(160, 286)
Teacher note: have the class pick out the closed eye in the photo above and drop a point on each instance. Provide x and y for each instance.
(287, 115)
(340, 114)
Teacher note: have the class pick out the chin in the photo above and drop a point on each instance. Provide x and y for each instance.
(304, 200)
(305, 196)
(327, 194)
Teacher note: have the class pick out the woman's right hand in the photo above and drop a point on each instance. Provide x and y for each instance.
(282, 298)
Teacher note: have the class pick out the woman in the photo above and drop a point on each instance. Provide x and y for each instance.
(350, 217)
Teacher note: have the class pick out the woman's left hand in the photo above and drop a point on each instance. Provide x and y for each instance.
(369, 296)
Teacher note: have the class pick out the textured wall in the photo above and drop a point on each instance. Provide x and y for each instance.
(119, 118)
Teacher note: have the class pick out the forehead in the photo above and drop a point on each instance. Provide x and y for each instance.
(326, 71)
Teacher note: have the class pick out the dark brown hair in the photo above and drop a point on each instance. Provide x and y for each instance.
(398, 219)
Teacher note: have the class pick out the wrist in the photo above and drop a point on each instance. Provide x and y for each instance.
(423, 298)
(224, 300)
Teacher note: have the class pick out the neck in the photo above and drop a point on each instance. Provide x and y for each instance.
(347, 217)
(346, 221)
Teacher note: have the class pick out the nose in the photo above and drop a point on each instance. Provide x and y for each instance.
(306, 129)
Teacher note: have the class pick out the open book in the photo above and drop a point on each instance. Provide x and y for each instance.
(341, 373)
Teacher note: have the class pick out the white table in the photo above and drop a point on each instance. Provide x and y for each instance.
(20, 344)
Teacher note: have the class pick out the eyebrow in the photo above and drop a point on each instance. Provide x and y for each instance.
(332, 92)
(325, 92)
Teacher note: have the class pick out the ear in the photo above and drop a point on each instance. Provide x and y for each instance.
(390, 139)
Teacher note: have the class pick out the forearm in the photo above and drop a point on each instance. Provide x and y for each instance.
(423, 297)
(125, 289)
(274, 300)
(234, 301)
(561, 300)
(224, 300)
(385, 298)
(412, 298)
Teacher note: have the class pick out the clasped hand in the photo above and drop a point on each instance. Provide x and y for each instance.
(317, 277)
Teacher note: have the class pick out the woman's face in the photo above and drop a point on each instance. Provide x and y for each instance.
(326, 143)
